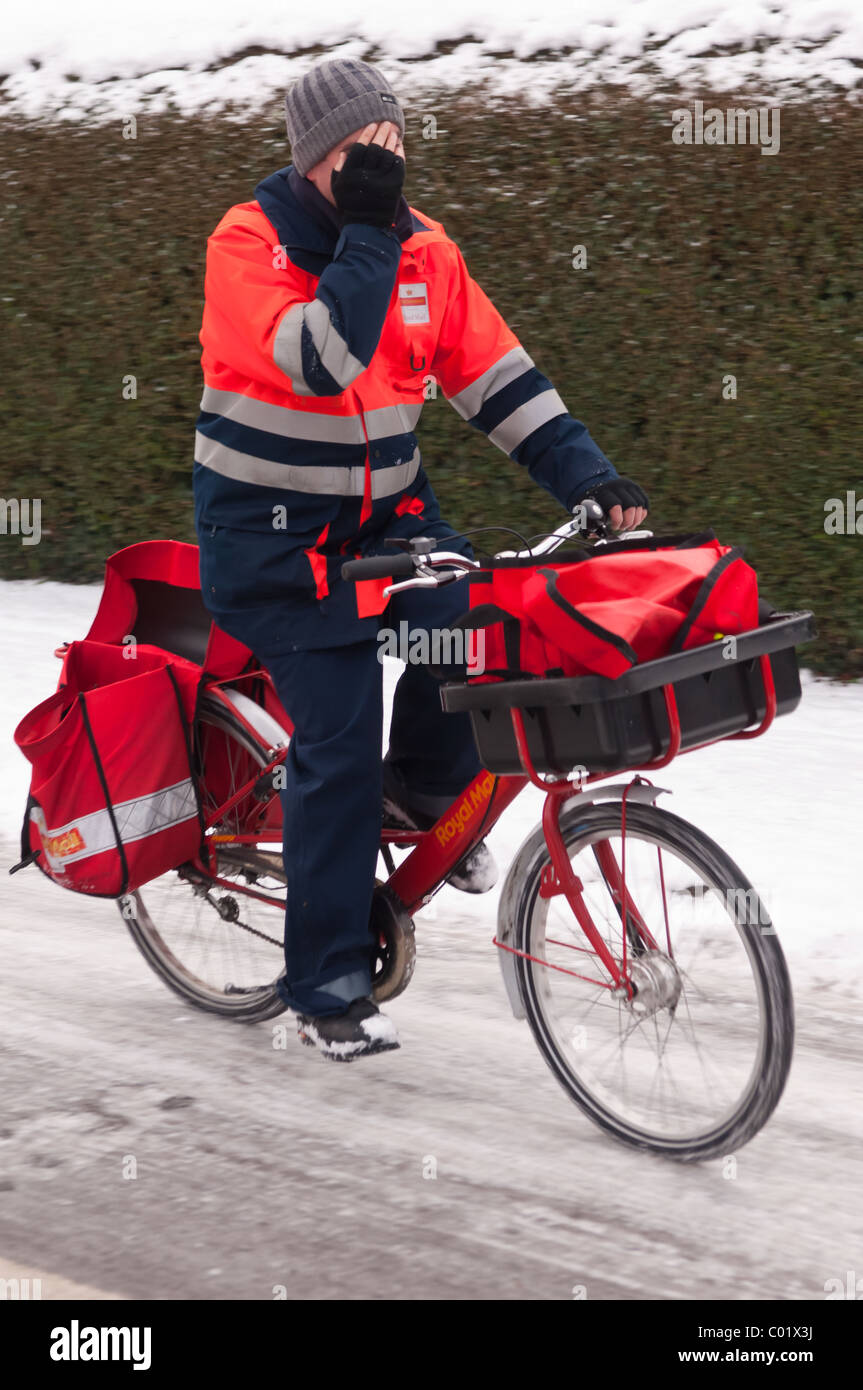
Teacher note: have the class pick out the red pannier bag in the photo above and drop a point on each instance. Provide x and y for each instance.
(607, 610)
(113, 796)
(113, 800)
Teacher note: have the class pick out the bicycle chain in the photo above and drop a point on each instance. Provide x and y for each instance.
(254, 931)
(205, 894)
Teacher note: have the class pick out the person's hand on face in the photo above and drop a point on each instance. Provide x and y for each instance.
(385, 134)
(367, 178)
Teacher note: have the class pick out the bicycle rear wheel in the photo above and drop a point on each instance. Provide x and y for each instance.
(220, 945)
(694, 1063)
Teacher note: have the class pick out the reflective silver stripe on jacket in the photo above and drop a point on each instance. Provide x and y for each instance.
(145, 815)
(508, 368)
(331, 347)
(313, 425)
(388, 420)
(295, 477)
(528, 417)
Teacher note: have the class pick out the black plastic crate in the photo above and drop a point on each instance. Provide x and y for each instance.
(609, 725)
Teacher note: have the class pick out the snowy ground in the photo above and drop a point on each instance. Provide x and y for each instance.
(256, 1167)
(93, 60)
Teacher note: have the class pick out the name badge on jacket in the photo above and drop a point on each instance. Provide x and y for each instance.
(414, 302)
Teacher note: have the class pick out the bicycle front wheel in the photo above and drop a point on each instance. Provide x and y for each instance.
(690, 1060)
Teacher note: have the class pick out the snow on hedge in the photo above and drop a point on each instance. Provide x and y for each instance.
(100, 61)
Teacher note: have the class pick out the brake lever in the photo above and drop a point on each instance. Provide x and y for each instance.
(623, 536)
(425, 578)
(419, 581)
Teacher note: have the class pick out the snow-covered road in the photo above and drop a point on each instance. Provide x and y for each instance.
(258, 1166)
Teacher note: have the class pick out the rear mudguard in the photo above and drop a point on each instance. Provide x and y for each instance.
(530, 856)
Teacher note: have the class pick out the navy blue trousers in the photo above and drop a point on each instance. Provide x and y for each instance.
(332, 798)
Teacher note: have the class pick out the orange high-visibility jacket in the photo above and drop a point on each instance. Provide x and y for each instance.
(321, 343)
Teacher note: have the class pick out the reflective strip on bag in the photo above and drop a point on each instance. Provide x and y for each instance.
(94, 834)
(296, 477)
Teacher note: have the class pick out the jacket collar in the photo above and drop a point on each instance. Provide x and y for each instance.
(304, 219)
(313, 203)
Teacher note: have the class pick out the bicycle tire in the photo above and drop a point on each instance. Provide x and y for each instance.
(770, 973)
(247, 1006)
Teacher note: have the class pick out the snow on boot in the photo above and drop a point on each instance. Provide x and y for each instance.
(477, 873)
(358, 1032)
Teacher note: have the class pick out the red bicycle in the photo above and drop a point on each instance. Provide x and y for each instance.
(642, 958)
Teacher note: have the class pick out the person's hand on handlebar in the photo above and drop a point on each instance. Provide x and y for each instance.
(625, 504)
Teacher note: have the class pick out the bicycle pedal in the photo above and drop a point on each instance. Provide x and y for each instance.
(265, 786)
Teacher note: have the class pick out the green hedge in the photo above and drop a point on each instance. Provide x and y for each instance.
(701, 262)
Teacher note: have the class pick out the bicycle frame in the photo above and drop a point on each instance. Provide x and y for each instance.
(470, 817)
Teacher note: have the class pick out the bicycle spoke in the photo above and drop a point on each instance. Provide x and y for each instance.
(681, 1053)
(214, 940)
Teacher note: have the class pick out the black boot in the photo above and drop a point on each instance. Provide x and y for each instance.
(361, 1030)
(476, 873)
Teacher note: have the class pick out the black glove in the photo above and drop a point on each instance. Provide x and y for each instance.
(368, 186)
(620, 492)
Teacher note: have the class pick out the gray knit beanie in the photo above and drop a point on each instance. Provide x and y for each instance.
(331, 100)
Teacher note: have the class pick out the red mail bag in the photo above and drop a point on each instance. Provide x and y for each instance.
(604, 611)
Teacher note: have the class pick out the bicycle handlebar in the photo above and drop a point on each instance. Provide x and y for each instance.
(423, 567)
(380, 567)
